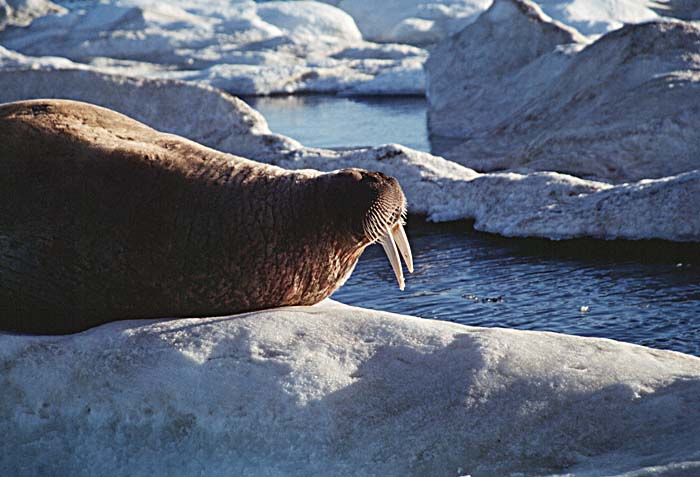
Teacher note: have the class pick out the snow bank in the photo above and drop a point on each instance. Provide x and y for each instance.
(525, 92)
(242, 47)
(333, 389)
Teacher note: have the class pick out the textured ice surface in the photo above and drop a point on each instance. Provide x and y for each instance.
(524, 92)
(242, 47)
(337, 390)
(22, 12)
(246, 47)
(539, 204)
(416, 22)
(421, 22)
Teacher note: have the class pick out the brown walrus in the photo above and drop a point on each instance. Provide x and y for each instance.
(103, 218)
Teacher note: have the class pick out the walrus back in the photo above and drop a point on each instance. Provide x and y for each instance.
(68, 197)
(103, 218)
(91, 223)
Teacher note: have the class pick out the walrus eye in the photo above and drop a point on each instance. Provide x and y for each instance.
(393, 237)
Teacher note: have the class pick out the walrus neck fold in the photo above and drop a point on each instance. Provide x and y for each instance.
(104, 219)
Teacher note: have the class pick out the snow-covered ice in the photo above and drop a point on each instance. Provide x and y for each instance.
(242, 47)
(338, 390)
(246, 47)
(417, 22)
(538, 204)
(421, 22)
(525, 92)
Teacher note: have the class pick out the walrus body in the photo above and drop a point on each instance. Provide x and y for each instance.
(103, 218)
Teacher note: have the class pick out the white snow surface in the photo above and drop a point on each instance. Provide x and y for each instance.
(417, 22)
(537, 204)
(524, 92)
(242, 47)
(250, 48)
(337, 390)
(422, 22)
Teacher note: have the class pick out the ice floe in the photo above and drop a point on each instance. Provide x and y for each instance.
(524, 92)
(422, 22)
(250, 48)
(337, 390)
(538, 204)
(417, 22)
(243, 47)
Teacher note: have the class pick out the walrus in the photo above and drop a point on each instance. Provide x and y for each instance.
(103, 218)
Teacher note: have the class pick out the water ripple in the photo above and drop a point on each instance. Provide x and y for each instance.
(629, 291)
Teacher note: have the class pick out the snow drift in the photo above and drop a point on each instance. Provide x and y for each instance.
(525, 92)
(333, 389)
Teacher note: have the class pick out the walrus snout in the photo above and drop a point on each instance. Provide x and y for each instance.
(376, 206)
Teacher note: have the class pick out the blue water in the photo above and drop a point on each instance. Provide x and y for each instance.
(640, 292)
(334, 121)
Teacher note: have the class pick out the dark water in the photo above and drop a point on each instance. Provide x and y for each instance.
(641, 292)
(334, 121)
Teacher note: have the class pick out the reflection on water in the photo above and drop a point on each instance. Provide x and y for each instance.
(335, 121)
(641, 292)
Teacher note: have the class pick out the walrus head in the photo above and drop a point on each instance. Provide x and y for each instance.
(372, 208)
(106, 219)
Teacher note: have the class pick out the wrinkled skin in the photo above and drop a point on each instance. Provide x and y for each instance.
(103, 218)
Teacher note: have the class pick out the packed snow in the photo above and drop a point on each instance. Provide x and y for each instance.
(337, 390)
(623, 108)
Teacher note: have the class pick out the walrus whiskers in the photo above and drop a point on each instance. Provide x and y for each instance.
(103, 218)
(385, 226)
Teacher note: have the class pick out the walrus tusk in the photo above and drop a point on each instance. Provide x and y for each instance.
(387, 242)
(401, 240)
